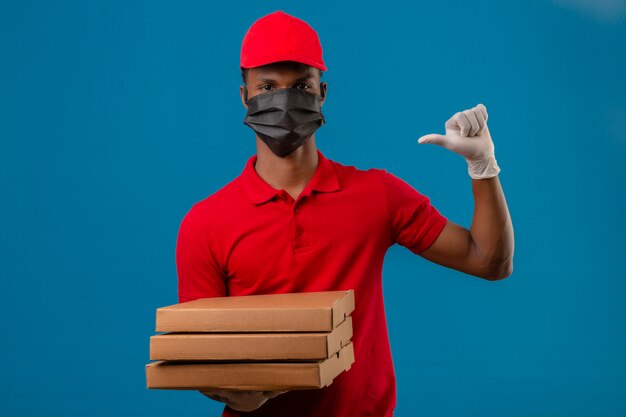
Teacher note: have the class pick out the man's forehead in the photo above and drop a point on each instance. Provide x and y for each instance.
(282, 67)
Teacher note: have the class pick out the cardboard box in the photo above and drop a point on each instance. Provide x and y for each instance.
(319, 311)
(263, 376)
(255, 346)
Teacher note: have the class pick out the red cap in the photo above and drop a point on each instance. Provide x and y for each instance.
(279, 36)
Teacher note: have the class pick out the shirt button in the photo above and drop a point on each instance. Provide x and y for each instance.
(300, 231)
(296, 210)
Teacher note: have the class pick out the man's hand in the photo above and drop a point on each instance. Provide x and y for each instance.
(241, 400)
(467, 134)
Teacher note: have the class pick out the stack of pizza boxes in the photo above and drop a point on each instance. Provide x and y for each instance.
(255, 342)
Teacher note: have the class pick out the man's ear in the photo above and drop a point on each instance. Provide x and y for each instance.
(323, 92)
(243, 92)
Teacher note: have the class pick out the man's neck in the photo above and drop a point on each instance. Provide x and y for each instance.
(291, 173)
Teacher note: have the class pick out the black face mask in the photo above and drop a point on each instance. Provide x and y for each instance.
(284, 119)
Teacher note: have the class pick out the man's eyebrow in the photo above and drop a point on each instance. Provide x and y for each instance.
(270, 81)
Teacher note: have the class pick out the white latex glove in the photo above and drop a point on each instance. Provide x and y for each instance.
(241, 400)
(467, 134)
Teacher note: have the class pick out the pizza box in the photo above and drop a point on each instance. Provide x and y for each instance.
(242, 375)
(320, 311)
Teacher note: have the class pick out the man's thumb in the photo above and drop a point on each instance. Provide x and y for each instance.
(433, 138)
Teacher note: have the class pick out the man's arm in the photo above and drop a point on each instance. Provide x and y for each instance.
(201, 276)
(486, 249)
(199, 272)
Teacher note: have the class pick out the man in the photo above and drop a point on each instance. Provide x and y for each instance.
(296, 221)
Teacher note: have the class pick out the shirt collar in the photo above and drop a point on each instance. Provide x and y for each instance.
(258, 191)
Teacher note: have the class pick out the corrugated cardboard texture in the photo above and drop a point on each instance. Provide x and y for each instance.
(257, 346)
(295, 312)
(249, 376)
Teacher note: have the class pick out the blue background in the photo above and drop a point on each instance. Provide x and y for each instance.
(117, 116)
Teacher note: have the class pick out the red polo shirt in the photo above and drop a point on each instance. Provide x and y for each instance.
(249, 238)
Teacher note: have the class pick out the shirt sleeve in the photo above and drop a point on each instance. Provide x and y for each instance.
(199, 274)
(415, 222)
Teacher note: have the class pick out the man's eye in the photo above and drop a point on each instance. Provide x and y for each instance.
(300, 86)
